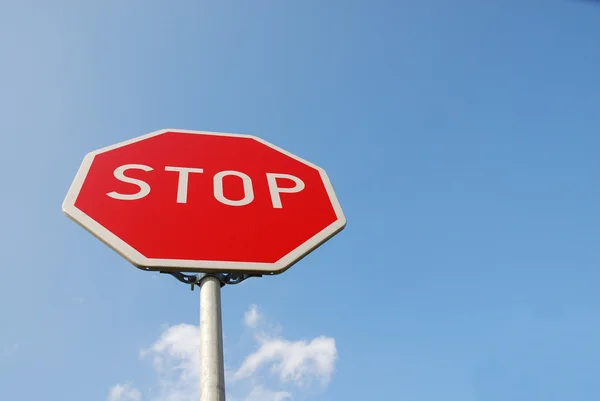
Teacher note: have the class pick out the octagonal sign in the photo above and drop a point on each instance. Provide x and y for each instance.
(177, 200)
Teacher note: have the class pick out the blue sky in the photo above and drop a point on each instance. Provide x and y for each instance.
(462, 139)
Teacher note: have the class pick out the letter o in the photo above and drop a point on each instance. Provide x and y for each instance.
(248, 190)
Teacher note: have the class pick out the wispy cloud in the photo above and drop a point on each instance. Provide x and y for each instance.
(124, 392)
(259, 393)
(176, 362)
(296, 361)
(286, 365)
(10, 350)
(252, 317)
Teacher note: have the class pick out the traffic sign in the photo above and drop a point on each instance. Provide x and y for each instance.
(178, 200)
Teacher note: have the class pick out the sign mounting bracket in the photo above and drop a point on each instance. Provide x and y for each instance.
(224, 278)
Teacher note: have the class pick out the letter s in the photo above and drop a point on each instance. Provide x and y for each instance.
(119, 174)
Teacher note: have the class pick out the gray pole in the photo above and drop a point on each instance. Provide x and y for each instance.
(212, 369)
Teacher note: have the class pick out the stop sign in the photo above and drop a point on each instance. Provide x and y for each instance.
(176, 200)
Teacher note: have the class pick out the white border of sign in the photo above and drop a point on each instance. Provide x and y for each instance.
(207, 266)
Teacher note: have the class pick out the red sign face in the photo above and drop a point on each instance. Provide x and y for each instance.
(179, 200)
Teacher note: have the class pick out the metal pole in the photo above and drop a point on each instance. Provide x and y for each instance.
(212, 369)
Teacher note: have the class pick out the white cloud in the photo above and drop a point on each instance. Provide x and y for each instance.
(175, 359)
(259, 393)
(295, 361)
(252, 316)
(124, 392)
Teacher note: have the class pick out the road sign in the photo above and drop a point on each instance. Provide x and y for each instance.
(178, 200)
